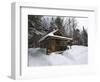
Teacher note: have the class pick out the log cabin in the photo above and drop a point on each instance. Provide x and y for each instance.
(54, 41)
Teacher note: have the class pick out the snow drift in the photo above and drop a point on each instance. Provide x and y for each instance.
(75, 55)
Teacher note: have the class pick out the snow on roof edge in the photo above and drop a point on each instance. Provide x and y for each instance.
(62, 37)
(52, 34)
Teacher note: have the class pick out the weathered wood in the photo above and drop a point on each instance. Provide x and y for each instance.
(55, 43)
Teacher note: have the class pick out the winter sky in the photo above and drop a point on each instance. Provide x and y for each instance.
(82, 22)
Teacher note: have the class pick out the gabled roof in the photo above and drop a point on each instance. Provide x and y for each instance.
(51, 34)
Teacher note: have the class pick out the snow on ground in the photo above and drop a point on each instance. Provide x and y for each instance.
(75, 55)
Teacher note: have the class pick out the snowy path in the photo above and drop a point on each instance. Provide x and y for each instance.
(76, 55)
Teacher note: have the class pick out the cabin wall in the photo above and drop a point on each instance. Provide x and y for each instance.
(51, 46)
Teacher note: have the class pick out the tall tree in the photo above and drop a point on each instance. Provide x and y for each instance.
(34, 26)
(52, 25)
(59, 23)
(35, 21)
(70, 26)
(45, 23)
(84, 37)
(74, 25)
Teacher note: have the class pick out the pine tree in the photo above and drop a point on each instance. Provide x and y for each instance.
(52, 25)
(59, 23)
(84, 37)
(34, 23)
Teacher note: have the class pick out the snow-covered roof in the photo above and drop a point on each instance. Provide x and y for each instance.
(56, 36)
(52, 35)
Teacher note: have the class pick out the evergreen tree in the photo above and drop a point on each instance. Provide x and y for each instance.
(59, 24)
(69, 28)
(52, 25)
(34, 23)
(84, 37)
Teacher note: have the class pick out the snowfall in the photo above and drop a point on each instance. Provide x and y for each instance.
(75, 55)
